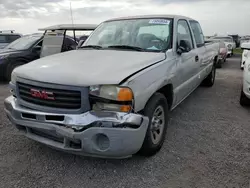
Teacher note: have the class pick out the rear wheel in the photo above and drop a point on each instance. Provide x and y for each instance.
(209, 81)
(218, 65)
(10, 69)
(244, 101)
(157, 112)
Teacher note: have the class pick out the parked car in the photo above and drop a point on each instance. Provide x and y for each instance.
(19, 52)
(222, 54)
(111, 98)
(231, 45)
(6, 38)
(245, 92)
(31, 47)
(244, 55)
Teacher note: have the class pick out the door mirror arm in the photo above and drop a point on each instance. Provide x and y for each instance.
(183, 47)
(180, 50)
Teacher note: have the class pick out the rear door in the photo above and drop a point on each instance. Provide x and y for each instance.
(187, 62)
(203, 50)
(52, 43)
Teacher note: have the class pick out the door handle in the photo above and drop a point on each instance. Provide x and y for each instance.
(196, 58)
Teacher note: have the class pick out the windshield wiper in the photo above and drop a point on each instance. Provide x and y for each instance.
(128, 47)
(92, 46)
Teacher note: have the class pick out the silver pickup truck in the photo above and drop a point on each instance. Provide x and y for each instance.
(112, 96)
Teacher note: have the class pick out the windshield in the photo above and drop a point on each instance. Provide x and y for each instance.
(147, 34)
(3, 39)
(225, 39)
(8, 38)
(23, 42)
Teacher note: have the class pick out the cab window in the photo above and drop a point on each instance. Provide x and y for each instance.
(198, 34)
(184, 33)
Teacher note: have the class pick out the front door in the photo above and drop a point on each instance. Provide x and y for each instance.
(187, 62)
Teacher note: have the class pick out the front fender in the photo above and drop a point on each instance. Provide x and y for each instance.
(145, 84)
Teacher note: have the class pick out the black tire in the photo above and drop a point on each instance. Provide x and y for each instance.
(244, 101)
(10, 69)
(150, 148)
(209, 80)
(219, 64)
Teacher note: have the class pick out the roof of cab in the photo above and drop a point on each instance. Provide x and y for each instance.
(34, 35)
(9, 32)
(150, 16)
(70, 27)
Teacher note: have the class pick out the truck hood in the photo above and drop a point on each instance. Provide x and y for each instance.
(2, 45)
(88, 67)
(5, 51)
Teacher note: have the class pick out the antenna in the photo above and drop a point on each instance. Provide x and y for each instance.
(71, 14)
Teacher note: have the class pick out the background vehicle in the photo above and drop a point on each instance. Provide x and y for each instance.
(244, 55)
(31, 47)
(56, 38)
(236, 39)
(6, 38)
(222, 54)
(229, 43)
(245, 92)
(19, 52)
(111, 98)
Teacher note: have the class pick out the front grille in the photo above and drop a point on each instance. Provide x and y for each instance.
(65, 99)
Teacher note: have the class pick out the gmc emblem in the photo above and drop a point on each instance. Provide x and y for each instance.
(42, 94)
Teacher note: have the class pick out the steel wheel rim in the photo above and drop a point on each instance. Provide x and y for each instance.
(157, 124)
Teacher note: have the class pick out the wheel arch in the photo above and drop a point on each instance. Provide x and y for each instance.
(167, 91)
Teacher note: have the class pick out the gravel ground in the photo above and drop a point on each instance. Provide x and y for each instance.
(207, 145)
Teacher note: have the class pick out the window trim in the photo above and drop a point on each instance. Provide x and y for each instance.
(202, 44)
(36, 43)
(189, 27)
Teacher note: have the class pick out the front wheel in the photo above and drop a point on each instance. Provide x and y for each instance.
(10, 69)
(157, 111)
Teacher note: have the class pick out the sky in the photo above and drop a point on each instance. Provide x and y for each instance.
(215, 16)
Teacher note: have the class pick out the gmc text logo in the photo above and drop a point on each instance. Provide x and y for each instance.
(42, 94)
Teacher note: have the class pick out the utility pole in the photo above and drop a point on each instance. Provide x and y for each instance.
(71, 14)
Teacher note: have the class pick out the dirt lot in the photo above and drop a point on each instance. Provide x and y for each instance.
(207, 145)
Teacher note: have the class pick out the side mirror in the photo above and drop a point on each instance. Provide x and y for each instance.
(183, 47)
(37, 49)
(245, 46)
(80, 43)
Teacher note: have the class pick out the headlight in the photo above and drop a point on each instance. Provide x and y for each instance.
(111, 97)
(245, 54)
(229, 46)
(13, 77)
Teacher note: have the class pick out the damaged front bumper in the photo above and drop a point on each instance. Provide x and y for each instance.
(98, 134)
